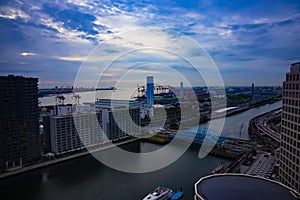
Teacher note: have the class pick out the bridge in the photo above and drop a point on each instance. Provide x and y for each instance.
(198, 134)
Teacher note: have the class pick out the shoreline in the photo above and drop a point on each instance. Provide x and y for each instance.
(63, 159)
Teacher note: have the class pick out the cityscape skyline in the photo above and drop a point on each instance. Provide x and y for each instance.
(64, 128)
(50, 41)
(110, 99)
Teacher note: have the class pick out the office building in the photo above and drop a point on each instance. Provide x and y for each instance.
(19, 122)
(150, 91)
(290, 129)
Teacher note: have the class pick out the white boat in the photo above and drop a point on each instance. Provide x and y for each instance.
(160, 193)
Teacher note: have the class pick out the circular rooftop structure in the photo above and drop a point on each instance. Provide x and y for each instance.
(241, 186)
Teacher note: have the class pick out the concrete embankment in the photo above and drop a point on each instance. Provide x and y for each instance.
(63, 159)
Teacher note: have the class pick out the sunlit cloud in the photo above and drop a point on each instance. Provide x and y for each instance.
(107, 75)
(27, 54)
(13, 13)
(71, 58)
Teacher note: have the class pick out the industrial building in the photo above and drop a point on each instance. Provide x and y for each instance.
(150, 91)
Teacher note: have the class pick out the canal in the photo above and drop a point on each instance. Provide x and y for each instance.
(86, 178)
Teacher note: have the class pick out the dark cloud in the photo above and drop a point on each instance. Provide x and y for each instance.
(73, 19)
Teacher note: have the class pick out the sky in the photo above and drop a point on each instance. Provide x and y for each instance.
(248, 41)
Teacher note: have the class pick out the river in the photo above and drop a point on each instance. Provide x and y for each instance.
(236, 126)
(86, 178)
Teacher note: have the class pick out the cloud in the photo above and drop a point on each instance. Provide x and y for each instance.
(13, 13)
(28, 54)
(239, 35)
(72, 58)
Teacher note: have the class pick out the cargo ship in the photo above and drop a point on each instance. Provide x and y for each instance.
(109, 88)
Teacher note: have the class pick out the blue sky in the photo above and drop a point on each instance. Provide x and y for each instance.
(249, 41)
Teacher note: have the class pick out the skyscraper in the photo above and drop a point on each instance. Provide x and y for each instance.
(19, 121)
(290, 131)
(181, 89)
(150, 91)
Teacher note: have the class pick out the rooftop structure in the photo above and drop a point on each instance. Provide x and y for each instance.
(115, 104)
(240, 186)
(262, 166)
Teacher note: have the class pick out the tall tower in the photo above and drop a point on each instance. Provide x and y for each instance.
(150, 91)
(181, 89)
(290, 129)
(252, 89)
(19, 121)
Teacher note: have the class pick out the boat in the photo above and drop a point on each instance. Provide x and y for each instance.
(218, 169)
(160, 193)
(177, 195)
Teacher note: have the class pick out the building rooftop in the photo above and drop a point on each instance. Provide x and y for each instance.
(112, 103)
(295, 67)
(295, 63)
(241, 186)
(262, 166)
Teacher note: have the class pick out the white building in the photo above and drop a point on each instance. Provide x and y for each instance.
(74, 132)
(74, 128)
(119, 118)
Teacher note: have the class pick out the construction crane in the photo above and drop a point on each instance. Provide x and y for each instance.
(141, 91)
(76, 98)
(60, 99)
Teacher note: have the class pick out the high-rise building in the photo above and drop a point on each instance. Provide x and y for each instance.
(72, 129)
(181, 89)
(290, 129)
(66, 135)
(119, 118)
(20, 142)
(150, 91)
